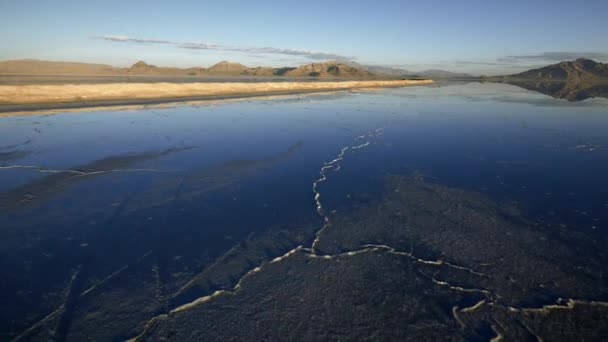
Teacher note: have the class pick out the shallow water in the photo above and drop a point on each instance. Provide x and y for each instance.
(84, 195)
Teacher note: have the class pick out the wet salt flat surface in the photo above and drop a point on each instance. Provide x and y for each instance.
(97, 205)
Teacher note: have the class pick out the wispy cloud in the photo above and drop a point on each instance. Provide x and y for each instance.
(125, 39)
(554, 56)
(231, 48)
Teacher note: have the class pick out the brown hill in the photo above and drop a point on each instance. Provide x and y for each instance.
(227, 68)
(328, 69)
(260, 71)
(143, 68)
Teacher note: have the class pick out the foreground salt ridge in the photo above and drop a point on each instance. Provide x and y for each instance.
(41, 94)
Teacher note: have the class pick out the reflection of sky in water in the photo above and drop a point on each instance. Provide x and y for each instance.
(499, 139)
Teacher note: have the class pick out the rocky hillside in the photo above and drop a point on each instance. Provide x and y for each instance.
(329, 69)
(227, 68)
(580, 69)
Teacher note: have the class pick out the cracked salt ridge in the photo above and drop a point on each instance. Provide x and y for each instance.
(570, 304)
(427, 262)
(458, 288)
(78, 172)
(335, 166)
(237, 286)
(309, 253)
(410, 255)
(371, 248)
(499, 337)
(216, 294)
(545, 309)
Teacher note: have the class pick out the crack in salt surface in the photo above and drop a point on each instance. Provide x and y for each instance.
(310, 253)
(334, 165)
(458, 288)
(218, 293)
(562, 304)
(499, 337)
(427, 262)
(79, 172)
(367, 249)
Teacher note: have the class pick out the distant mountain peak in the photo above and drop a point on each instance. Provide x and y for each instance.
(142, 65)
(228, 66)
(585, 60)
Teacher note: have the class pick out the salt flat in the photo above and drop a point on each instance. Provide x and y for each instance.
(69, 93)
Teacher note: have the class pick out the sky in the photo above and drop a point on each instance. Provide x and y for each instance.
(474, 36)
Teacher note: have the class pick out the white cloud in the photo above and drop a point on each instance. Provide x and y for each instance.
(220, 47)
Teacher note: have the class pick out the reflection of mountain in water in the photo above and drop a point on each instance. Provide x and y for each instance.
(564, 90)
(571, 80)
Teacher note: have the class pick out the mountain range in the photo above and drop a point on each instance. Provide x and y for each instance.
(141, 68)
(224, 68)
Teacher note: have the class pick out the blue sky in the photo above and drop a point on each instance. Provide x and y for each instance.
(459, 35)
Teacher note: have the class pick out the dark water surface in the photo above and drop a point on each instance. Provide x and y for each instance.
(96, 207)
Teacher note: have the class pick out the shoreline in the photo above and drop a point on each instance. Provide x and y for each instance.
(32, 98)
